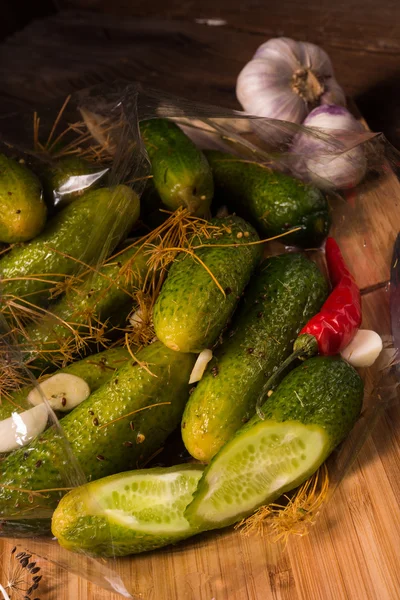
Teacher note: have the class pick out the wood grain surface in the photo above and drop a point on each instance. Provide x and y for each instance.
(353, 550)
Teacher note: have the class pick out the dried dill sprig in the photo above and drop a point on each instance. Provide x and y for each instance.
(280, 521)
(21, 577)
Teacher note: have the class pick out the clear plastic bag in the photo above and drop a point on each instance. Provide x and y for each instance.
(101, 126)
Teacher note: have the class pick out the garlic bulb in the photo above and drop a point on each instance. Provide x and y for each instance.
(286, 79)
(321, 154)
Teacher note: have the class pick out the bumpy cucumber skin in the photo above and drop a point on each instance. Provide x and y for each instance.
(79, 525)
(95, 370)
(281, 297)
(56, 175)
(104, 297)
(274, 202)
(46, 463)
(95, 223)
(22, 208)
(181, 173)
(191, 310)
(329, 393)
(323, 392)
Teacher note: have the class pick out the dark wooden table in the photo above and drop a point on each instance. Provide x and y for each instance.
(175, 47)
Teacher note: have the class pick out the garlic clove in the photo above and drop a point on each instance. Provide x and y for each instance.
(315, 58)
(364, 348)
(63, 392)
(280, 48)
(200, 365)
(21, 428)
(274, 100)
(137, 319)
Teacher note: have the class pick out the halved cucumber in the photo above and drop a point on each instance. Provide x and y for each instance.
(127, 513)
(309, 414)
(257, 468)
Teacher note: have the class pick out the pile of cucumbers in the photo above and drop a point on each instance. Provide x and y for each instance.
(224, 297)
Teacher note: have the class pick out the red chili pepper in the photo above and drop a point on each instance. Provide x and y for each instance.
(333, 328)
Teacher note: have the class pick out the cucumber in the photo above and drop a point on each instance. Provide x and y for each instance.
(95, 370)
(274, 202)
(83, 231)
(127, 513)
(191, 310)
(22, 208)
(181, 173)
(281, 297)
(310, 413)
(105, 296)
(46, 463)
(65, 179)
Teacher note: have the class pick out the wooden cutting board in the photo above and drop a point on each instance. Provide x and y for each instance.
(353, 550)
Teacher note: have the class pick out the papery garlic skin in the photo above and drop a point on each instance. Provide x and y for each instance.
(320, 153)
(342, 172)
(332, 116)
(286, 79)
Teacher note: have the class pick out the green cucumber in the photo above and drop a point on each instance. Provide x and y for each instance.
(191, 309)
(95, 370)
(66, 178)
(127, 513)
(161, 376)
(274, 202)
(85, 231)
(285, 293)
(310, 413)
(181, 173)
(22, 208)
(104, 297)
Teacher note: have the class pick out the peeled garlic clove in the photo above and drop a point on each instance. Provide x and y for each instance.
(200, 365)
(21, 428)
(364, 348)
(63, 391)
(137, 320)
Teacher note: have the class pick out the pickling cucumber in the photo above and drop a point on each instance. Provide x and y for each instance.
(127, 513)
(96, 370)
(272, 201)
(181, 173)
(191, 310)
(310, 413)
(102, 439)
(85, 231)
(68, 177)
(105, 296)
(22, 208)
(284, 294)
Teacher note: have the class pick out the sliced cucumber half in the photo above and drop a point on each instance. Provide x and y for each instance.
(153, 502)
(255, 468)
(129, 512)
